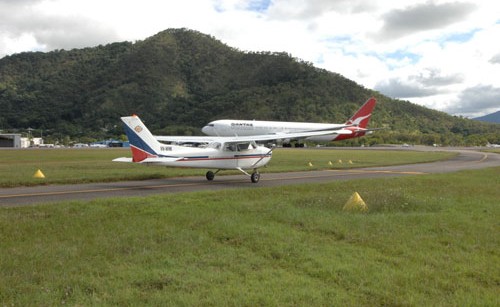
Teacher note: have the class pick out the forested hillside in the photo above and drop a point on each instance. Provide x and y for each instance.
(179, 79)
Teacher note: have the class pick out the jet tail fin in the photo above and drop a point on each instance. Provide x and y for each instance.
(362, 116)
(142, 143)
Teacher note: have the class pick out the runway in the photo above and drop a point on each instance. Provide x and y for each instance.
(466, 159)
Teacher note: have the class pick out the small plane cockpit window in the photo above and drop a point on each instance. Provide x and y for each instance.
(243, 146)
(215, 145)
(239, 146)
(230, 147)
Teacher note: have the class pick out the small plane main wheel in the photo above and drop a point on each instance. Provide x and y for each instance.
(255, 177)
(210, 175)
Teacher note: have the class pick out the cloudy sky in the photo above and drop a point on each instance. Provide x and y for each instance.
(441, 54)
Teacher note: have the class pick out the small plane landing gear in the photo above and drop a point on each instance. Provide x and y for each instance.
(255, 177)
(210, 175)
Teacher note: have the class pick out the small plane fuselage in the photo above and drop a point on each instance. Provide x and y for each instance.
(217, 155)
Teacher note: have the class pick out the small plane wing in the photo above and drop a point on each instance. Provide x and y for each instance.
(257, 138)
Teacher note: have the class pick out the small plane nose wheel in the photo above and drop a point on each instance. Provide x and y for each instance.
(255, 177)
(210, 175)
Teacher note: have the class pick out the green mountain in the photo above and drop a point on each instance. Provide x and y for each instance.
(179, 79)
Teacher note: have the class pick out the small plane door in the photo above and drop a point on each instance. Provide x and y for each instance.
(238, 151)
(230, 151)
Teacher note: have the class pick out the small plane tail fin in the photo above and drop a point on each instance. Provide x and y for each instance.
(362, 116)
(142, 143)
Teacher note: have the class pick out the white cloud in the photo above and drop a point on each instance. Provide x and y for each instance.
(397, 88)
(480, 97)
(437, 50)
(422, 17)
(495, 59)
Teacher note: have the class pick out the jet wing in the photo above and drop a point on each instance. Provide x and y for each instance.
(342, 131)
(187, 139)
(372, 129)
(333, 130)
(288, 136)
(257, 138)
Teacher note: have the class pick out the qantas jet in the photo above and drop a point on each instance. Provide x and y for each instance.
(356, 126)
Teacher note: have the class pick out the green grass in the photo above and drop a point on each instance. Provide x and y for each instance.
(17, 167)
(493, 150)
(427, 240)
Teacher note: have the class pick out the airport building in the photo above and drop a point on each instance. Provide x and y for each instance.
(10, 140)
(14, 140)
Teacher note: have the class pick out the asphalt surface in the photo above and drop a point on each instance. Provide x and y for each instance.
(466, 159)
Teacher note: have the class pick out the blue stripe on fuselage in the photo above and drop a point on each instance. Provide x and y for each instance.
(235, 157)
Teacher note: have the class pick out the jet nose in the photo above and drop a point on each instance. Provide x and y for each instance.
(208, 129)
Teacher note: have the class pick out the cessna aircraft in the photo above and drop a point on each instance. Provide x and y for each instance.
(358, 127)
(218, 153)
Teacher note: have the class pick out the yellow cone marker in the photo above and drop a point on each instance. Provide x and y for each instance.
(340, 161)
(39, 174)
(350, 161)
(310, 164)
(330, 163)
(355, 203)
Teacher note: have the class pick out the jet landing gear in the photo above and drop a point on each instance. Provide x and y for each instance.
(254, 177)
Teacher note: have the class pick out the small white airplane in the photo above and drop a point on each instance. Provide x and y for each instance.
(218, 153)
(356, 126)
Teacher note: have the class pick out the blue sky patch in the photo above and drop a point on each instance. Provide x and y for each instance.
(458, 37)
(339, 39)
(252, 5)
(258, 5)
(400, 55)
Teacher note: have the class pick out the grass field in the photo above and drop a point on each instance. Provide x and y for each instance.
(93, 165)
(427, 240)
(494, 150)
